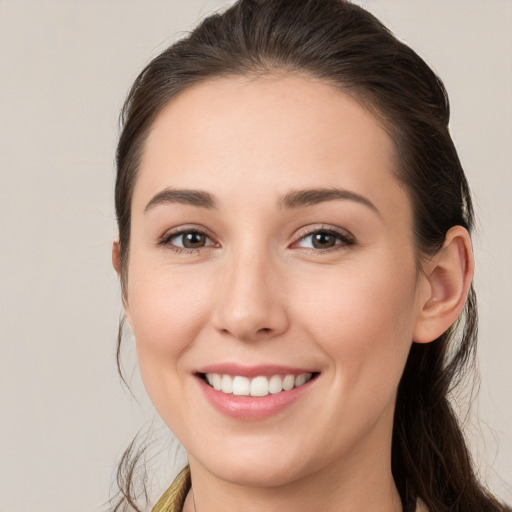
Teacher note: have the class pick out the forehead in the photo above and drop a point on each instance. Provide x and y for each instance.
(266, 134)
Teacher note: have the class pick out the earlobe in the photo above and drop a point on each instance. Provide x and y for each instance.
(116, 256)
(448, 274)
(116, 263)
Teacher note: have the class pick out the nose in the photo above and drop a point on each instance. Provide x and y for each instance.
(251, 303)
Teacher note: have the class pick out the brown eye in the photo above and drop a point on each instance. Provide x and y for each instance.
(192, 239)
(323, 240)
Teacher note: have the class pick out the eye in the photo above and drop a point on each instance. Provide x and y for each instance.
(187, 240)
(325, 240)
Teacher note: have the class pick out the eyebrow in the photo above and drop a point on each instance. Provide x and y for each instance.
(291, 200)
(310, 197)
(191, 197)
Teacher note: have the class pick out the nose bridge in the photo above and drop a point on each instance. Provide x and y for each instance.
(250, 306)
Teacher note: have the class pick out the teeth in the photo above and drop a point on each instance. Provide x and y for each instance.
(275, 384)
(241, 386)
(301, 379)
(227, 384)
(216, 381)
(258, 386)
(288, 382)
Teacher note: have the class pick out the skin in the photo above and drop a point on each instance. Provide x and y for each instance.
(259, 292)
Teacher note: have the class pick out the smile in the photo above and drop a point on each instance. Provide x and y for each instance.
(253, 393)
(259, 386)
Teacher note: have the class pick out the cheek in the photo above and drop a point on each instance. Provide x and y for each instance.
(166, 310)
(364, 322)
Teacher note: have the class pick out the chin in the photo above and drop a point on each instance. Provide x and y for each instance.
(255, 468)
(260, 475)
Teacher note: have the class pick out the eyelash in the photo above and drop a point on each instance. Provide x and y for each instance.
(166, 240)
(346, 239)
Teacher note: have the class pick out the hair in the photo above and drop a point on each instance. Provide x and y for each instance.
(346, 46)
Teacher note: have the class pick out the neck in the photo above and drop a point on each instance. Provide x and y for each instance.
(345, 498)
(362, 483)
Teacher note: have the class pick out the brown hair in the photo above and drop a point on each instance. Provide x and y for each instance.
(343, 44)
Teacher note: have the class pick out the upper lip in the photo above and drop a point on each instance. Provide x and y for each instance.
(266, 370)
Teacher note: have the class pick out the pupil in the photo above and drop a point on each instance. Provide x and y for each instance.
(193, 240)
(323, 240)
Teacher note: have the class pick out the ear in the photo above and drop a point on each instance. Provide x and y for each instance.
(448, 277)
(116, 257)
(116, 263)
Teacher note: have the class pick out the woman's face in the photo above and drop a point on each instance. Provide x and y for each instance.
(271, 245)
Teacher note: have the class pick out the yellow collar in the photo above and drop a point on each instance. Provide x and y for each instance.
(172, 500)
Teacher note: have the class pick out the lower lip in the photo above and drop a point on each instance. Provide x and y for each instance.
(252, 408)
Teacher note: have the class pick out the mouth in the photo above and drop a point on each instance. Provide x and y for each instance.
(253, 393)
(258, 386)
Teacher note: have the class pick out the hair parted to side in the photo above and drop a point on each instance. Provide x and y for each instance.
(341, 43)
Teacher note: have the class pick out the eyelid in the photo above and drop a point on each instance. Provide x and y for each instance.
(165, 239)
(347, 239)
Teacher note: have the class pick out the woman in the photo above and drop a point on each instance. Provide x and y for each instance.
(296, 264)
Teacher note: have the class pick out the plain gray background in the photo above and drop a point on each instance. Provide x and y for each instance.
(65, 68)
